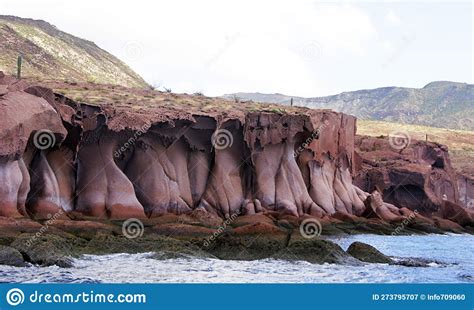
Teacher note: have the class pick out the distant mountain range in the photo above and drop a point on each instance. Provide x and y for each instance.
(438, 104)
(49, 53)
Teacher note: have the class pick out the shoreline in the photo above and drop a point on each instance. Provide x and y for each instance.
(245, 238)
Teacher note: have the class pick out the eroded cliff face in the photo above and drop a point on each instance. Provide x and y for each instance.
(74, 160)
(418, 176)
(466, 191)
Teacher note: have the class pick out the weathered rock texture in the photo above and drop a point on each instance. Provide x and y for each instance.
(466, 191)
(64, 159)
(418, 178)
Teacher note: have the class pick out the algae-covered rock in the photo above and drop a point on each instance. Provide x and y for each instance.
(368, 253)
(48, 249)
(10, 256)
(106, 244)
(315, 251)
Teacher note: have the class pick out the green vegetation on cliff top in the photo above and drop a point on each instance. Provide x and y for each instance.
(49, 53)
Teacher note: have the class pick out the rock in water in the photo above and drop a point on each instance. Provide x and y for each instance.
(368, 253)
(46, 250)
(10, 256)
(316, 251)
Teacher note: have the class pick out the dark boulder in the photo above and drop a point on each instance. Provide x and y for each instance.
(10, 256)
(368, 253)
(47, 249)
(316, 251)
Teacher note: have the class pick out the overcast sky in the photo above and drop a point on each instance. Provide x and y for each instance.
(300, 48)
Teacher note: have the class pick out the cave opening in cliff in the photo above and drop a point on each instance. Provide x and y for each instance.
(409, 196)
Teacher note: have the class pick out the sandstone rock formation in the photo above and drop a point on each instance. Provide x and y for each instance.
(418, 177)
(71, 160)
(466, 191)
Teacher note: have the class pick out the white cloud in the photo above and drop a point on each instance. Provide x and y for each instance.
(393, 19)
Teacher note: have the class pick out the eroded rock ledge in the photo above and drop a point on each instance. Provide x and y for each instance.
(71, 160)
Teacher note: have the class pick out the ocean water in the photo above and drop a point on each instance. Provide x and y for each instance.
(453, 255)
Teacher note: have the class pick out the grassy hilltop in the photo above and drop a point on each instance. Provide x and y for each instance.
(51, 53)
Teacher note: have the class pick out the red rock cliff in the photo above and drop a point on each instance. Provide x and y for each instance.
(123, 161)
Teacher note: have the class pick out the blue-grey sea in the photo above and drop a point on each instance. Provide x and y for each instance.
(454, 256)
